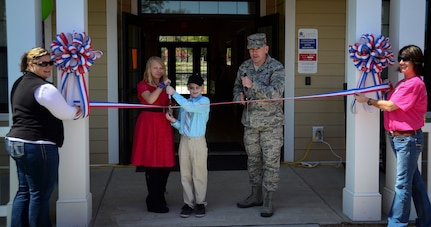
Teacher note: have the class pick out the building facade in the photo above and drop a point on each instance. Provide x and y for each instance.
(130, 31)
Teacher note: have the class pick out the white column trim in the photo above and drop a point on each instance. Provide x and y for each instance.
(289, 87)
(112, 71)
(262, 12)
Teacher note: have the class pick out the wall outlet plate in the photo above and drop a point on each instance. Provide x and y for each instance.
(317, 135)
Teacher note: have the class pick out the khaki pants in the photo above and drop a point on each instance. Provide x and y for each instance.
(193, 153)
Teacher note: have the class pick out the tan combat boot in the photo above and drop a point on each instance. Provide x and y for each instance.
(267, 210)
(254, 199)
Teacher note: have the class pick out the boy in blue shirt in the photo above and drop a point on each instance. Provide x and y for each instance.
(193, 151)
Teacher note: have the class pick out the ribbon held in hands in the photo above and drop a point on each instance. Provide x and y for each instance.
(371, 56)
(73, 55)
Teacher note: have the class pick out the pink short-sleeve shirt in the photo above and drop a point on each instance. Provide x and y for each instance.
(411, 98)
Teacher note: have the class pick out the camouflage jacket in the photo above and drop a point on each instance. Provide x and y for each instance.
(268, 83)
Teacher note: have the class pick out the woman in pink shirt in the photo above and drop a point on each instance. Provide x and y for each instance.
(404, 113)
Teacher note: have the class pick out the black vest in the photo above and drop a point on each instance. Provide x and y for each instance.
(32, 121)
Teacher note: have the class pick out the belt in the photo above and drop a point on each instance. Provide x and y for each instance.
(404, 133)
(154, 109)
(191, 138)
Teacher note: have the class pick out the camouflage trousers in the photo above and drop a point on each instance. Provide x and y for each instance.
(263, 147)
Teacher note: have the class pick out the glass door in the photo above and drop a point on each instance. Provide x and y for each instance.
(132, 74)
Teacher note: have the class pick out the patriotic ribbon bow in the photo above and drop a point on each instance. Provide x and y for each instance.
(73, 55)
(371, 56)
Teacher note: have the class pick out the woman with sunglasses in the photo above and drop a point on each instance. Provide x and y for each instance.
(404, 113)
(38, 109)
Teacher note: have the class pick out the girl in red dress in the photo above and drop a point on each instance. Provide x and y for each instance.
(153, 142)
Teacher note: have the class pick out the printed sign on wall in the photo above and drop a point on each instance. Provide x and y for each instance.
(307, 50)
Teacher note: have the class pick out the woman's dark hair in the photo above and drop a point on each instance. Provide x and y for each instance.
(415, 55)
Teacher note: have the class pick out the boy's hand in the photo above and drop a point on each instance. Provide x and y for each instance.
(170, 118)
(170, 90)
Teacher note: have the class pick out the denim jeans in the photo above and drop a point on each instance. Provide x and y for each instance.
(409, 183)
(37, 168)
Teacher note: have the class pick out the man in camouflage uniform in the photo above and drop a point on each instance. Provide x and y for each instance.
(261, 78)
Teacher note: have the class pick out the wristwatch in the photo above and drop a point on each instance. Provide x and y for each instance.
(369, 102)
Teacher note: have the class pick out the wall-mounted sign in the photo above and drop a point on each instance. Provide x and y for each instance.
(307, 50)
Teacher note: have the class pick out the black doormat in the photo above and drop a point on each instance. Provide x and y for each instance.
(228, 146)
(223, 156)
(226, 156)
(227, 162)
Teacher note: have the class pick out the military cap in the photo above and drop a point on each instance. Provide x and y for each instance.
(257, 40)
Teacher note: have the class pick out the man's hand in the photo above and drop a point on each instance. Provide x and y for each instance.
(170, 90)
(242, 98)
(246, 82)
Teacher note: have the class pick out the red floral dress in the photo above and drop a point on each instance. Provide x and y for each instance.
(153, 141)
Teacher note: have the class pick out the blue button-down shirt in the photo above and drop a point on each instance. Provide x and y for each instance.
(199, 108)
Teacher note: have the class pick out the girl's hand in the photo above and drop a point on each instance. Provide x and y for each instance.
(170, 90)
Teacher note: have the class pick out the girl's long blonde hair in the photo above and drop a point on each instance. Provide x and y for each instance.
(147, 74)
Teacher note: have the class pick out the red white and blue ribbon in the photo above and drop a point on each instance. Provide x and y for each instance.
(376, 88)
(73, 55)
(371, 55)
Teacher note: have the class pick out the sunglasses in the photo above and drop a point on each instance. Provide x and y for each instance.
(44, 63)
(404, 59)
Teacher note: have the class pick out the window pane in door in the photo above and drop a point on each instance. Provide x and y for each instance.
(204, 68)
(183, 68)
(165, 59)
